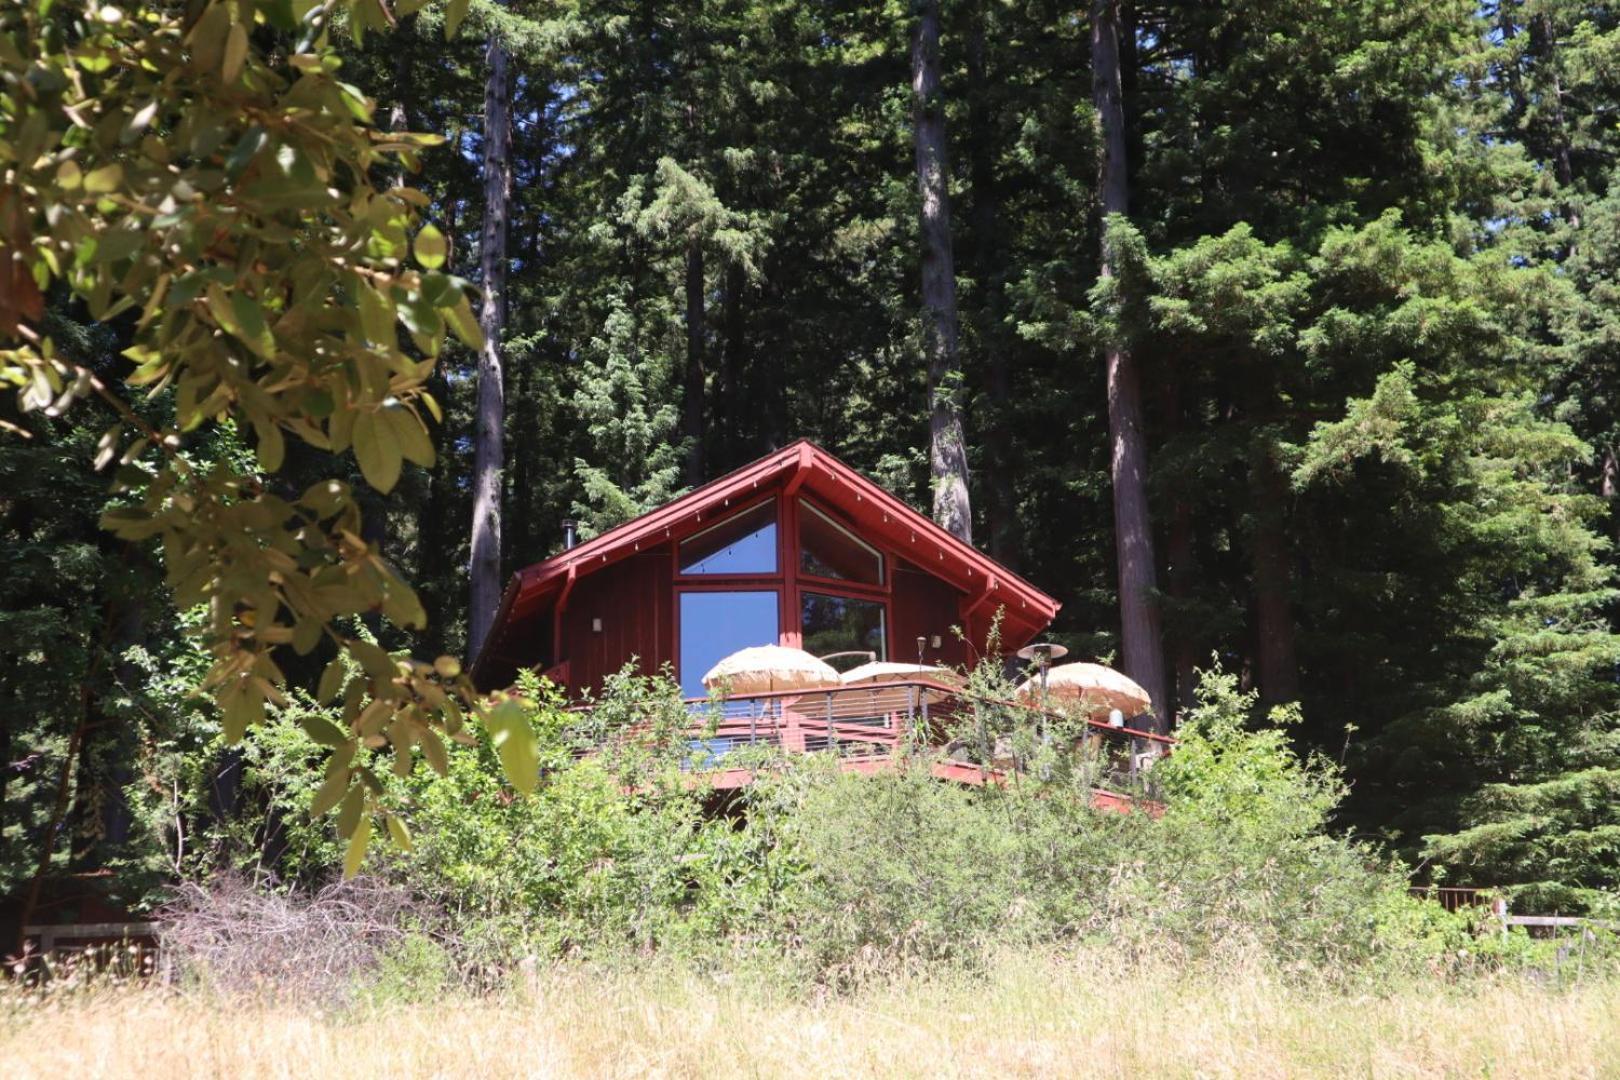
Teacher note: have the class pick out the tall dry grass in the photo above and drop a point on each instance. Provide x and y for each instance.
(1027, 1018)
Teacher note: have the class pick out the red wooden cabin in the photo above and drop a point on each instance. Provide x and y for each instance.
(796, 549)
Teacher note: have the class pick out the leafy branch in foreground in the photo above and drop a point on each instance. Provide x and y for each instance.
(201, 173)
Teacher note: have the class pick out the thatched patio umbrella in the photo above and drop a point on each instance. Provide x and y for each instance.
(1098, 689)
(886, 670)
(765, 668)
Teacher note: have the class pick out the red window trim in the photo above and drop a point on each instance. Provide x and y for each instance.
(786, 581)
(716, 522)
(885, 556)
(766, 585)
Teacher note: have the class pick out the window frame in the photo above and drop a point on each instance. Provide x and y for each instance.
(680, 590)
(885, 619)
(885, 560)
(787, 581)
(682, 576)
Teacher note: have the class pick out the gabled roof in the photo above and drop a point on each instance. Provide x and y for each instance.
(799, 467)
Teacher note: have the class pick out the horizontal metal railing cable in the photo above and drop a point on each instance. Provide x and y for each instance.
(860, 721)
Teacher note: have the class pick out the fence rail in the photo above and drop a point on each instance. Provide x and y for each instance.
(868, 723)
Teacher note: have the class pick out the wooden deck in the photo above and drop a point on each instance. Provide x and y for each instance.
(870, 727)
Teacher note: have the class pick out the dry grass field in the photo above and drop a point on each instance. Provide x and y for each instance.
(1027, 1019)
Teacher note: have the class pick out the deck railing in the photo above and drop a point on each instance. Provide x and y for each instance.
(868, 724)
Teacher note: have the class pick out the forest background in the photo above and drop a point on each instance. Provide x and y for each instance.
(1361, 285)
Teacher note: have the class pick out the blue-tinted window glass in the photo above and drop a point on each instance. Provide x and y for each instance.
(744, 544)
(716, 624)
(841, 624)
(827, 549)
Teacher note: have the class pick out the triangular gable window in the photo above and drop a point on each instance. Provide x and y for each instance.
(828, 550)
(742, 544)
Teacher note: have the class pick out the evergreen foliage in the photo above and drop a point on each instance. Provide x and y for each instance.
(1369, 275)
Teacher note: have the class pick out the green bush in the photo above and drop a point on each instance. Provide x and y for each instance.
(830, 876)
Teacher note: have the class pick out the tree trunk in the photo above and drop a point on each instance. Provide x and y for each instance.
(692, 396)
(947, 444)
(733, 404)
(1133, 527)
(1181, 574)
(1544, 43)
(1609, 488)
(996, 485)
(489, 451)
(1276, 658)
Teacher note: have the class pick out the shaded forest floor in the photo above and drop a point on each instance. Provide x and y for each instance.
(1028, 1018)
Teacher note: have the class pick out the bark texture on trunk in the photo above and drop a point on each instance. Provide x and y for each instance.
(489, 450)
(1181, 575)
(692, 393)
(947, 456)
(1277, 655)
(996, 491)
(1609, 487)
(732, 409)
(1142, 648)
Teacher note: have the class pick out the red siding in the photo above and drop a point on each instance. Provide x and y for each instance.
(923, 606)
(634, 600)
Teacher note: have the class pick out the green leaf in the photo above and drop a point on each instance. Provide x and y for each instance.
(402, 606)
(462, 321)
(411, 435)
(430, 247)
(433, 750)
(349, 814)
(515, 742)
(453, 16)
(271, 449)
(356, 853)
(236, 48)
(331, 680)
(246, 148)
(377, 663)
(401, 835)
(377, 450)
(252, 329)
(323, 730)
(241, 706)
(103, 180)
(330, 793)
(138, 123)
(377, 318)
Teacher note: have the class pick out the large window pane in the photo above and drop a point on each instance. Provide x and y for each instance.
(827, 549)
(716, 624)
(841, 624)
(743, 544)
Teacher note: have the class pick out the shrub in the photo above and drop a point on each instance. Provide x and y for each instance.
(832, 876)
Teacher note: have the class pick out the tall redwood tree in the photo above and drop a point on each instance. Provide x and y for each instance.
(1143, 653)
(489, 450)
(947, 454)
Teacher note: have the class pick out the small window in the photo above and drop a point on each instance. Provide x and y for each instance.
(743, 544)
(842, 624)
(716, 624)
(827, 549)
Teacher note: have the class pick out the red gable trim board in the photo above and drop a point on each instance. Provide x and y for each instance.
(799, 467)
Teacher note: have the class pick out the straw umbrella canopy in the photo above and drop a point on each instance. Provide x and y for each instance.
(765, 668)
(884, 670)
(1099, 689)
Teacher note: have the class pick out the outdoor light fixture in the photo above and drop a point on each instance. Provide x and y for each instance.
(1116, 718)
(596, 625)
(1043, 653)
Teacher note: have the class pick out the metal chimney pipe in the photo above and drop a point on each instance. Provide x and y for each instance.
(570, 533)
